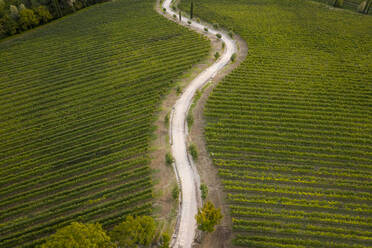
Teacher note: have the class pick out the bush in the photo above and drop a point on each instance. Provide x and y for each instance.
(208, 217)
(169, 158)
(28, 19)
(174, 8)
(43, 13)
(9, 25)
(231, 34)
(14, 13)
(197, 20)
(204, 191)
(206, 29)
(189, 22)
(223, 45)
(79, 235)
(215, 25)
(217, 55)
(164, 240)
(178, 90)
(233, 57)
(175, 192)
(134, 232)
(166, 119)
(193, 151)
(338, 3)
(219, 36)
(174, 16)
(190, 120)
(164, 10)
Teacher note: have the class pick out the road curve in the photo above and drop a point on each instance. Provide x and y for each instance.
(187, 175)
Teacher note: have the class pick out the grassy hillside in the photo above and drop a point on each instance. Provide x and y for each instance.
(291, 129)
(77, 104)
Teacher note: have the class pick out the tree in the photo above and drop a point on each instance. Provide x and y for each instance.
(28, 19)
(164, 240)
(57, 8)
(204, 191)
(79, 235)
(338, 3)
(9, 25)
(14, 13)
(208, 217)
(43, 13)
(365, 6)
(192, 9)
(134, 232)
(2, 8)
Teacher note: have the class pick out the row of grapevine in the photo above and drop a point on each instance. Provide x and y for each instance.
(291, 128)
(77, 103)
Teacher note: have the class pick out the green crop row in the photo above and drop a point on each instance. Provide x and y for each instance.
(78, 101)
(290, 128)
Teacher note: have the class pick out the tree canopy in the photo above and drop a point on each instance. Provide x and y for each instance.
(134, 231)
(208, 217)
(79, 235)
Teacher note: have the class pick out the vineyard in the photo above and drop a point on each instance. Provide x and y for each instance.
(291, 128)
(78, 100)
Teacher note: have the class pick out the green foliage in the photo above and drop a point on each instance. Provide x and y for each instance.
(175, 192)
(28, 19)
(76, 124)
(365, 6)
(204, 191)
(8, 25)
(190, 120)
(169, 158)
(78, 235)
(43, 14)
(193, 151)
(216, 26)
(219, 36)
(35, 4)
(189, 22)
(134, 232)
(164, 240)
(2, 8)
(174, 16)
(233, 57)
(21, 7)
(14, 13)
(217, 55)
(231, 34)
(279, 126)
(206, 29)
(166, 119)
(191, 9)
(178, 90)
(208, 217)
(338, 3)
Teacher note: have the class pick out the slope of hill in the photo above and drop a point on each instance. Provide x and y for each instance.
(291, 129)
(77, 105)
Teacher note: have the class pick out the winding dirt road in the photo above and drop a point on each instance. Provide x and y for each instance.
(186, 172)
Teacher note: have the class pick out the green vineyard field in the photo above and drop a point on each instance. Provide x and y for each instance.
(78, 100)
(291, 128)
